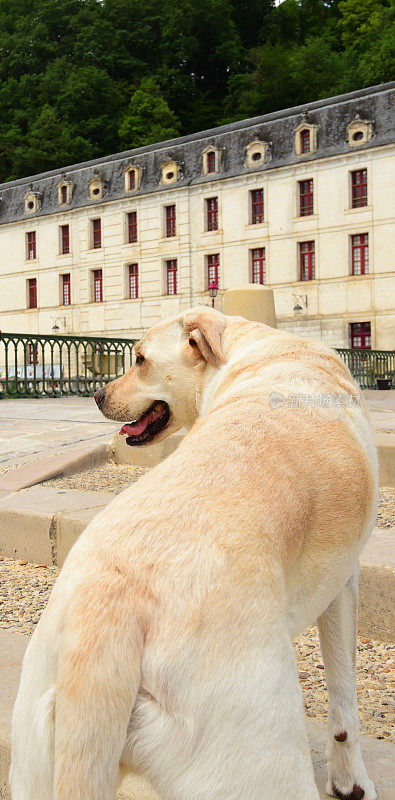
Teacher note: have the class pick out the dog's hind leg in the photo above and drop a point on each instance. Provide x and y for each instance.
(98, 680)
(347, 776)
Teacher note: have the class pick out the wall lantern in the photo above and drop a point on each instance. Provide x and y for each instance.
(213, 291)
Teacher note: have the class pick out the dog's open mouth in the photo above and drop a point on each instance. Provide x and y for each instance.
(150, 423)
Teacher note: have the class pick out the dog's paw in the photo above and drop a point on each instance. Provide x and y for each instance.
(359, 790)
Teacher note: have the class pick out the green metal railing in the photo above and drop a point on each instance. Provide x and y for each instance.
(53, 366)
(369, 366)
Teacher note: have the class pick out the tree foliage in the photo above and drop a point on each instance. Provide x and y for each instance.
(82, 78)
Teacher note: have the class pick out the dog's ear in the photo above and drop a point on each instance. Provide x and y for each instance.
(204, 330)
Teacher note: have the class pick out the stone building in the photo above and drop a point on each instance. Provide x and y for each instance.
(300, 199)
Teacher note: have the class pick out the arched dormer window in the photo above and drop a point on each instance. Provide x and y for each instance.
(96, 189)
(359, 131)
(212, 158)
(256, 154)
(305, 138)
(132, 175)
(65, 190)
(32, 202)
(170, 171)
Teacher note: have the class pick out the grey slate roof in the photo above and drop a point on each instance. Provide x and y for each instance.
(331, 115)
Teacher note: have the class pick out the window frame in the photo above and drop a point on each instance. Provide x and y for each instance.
(257, 207)
(31, 244)
(171, 268)
(305, 141)
(211, 214)
(132, 287)
(131, 227)
(32, 293)
(32, 354)
(96, 222)
(260, 260)
(97, 282)
(363, 334)
(66, 285)
(306, 197)
(211, 162)
(213, 262)
(360, 248)
(64, 237)
(359, 188)
(307, 248)
(170, 221)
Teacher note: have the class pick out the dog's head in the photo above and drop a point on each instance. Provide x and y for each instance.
(161, 392)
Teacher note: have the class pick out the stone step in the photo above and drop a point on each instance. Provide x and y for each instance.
(379, 756)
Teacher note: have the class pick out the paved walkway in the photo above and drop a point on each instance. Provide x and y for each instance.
(31, 429)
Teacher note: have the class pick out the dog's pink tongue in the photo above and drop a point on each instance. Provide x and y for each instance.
(135, 428)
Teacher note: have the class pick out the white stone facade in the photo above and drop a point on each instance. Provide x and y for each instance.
(329, 303)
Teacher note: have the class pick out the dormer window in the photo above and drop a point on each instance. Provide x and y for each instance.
(256, 154)
(305, 138)
(132, 175)
(359, 131)
(170, 172)
(64, 193)
(211, 160)
(96, 189)
(32, 202)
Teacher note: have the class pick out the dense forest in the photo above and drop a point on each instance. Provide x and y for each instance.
(83, 78)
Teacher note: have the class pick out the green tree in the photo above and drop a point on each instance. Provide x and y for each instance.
(148, 118)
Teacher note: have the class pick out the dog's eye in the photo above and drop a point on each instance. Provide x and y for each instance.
(139, 359)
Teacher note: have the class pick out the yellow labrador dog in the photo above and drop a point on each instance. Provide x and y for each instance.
(166, 646)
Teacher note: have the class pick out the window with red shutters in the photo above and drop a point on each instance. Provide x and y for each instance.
(170, 221)
(32, 354)
(305, 141)
(211, 161)
(132, 180)
(360, 254)
(258, 265)
(359, 188)
(31, 247)
(360, 335)
(66, 286)
(307, 261)
(171, 276)
(32, 293)
(133, 281)
(97, 286)
(64, 239)
(132, 227)
(306, 198)
(212, 213)
(257, 210)
(63, 194)
(213, 269)
(96, 233)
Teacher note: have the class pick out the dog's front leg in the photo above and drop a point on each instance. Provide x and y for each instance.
(347, 777)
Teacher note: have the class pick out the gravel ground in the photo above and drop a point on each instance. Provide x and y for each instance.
(25, 588)
(114, 478)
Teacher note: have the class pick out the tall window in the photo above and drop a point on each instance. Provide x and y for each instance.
(360, 254)
(307, 261)
(213, 269)
(131, 180)
(171, 276)
(360, 335)
(31, 248)
(258, 265)
(306, 198)
(170, 220)
(64, 239)
(305, 141)
(133, 281)
(132, 226)
(96, 233)
(97, 285)
(63, 194)
(211, 161)
(66, 293)
(359, 188)
(32, 293)
(212, 214)
(32, 354)
(256, 206)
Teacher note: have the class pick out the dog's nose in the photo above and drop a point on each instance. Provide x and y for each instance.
(99, 396)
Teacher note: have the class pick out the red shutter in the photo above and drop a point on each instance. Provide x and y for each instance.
(257, 209)
(31, 245)
(133, 281)
(360, 335)
(171, 276)
(360, 254)
(212, 214)
(32, 293)
(96, 230)
(258, 263)
(211, 161)
(307, 261)
(359, 188)
(306, 198)
(65, 239)
(66, 294)
(305, 141)
(170, 221)
(97, 286)
(63, 194)
(213, 269)
(132, 227)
